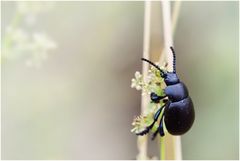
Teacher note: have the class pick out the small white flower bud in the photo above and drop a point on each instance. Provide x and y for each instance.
(138, 87)
(137, 74)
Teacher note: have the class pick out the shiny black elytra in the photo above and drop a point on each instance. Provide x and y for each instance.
(178, 114)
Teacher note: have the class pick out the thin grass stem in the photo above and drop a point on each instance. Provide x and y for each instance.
(173, 150)
(142, 140)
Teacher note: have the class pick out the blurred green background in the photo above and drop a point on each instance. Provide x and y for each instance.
(75, 101)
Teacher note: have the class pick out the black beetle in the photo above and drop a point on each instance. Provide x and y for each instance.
(178, 114)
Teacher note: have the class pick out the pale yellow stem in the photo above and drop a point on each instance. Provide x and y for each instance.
(142, 140)
(172, 143)
(175, 15)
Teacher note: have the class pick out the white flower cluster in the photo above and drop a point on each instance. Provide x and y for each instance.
(142, 121)
(33, 47)
(17, 42)
(137, 82)
(29, 9)
(150, 84)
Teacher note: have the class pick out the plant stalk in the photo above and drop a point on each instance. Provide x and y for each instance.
(142, 140)
(172, 143)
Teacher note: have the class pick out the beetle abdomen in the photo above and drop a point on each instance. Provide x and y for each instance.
(179, 116)
(176, 92)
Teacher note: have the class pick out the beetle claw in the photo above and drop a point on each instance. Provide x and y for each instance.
(144, 132)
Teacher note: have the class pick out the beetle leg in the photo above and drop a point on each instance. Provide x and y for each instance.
(159, 130)
(155, 98)
(156, 115)
(155, 134)
(165, 100)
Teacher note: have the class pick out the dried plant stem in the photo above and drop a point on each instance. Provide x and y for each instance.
(172, 143)
(167, 33)
(162, 146)
(142, 140)
(175, 15)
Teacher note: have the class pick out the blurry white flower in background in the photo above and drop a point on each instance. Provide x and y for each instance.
(39, 47)
(30, 9)
(33, 47)
(15, 43)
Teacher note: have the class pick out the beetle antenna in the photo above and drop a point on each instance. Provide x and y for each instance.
(156, 66)
(174, 59)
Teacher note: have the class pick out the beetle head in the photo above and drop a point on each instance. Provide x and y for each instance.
(171, 78)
